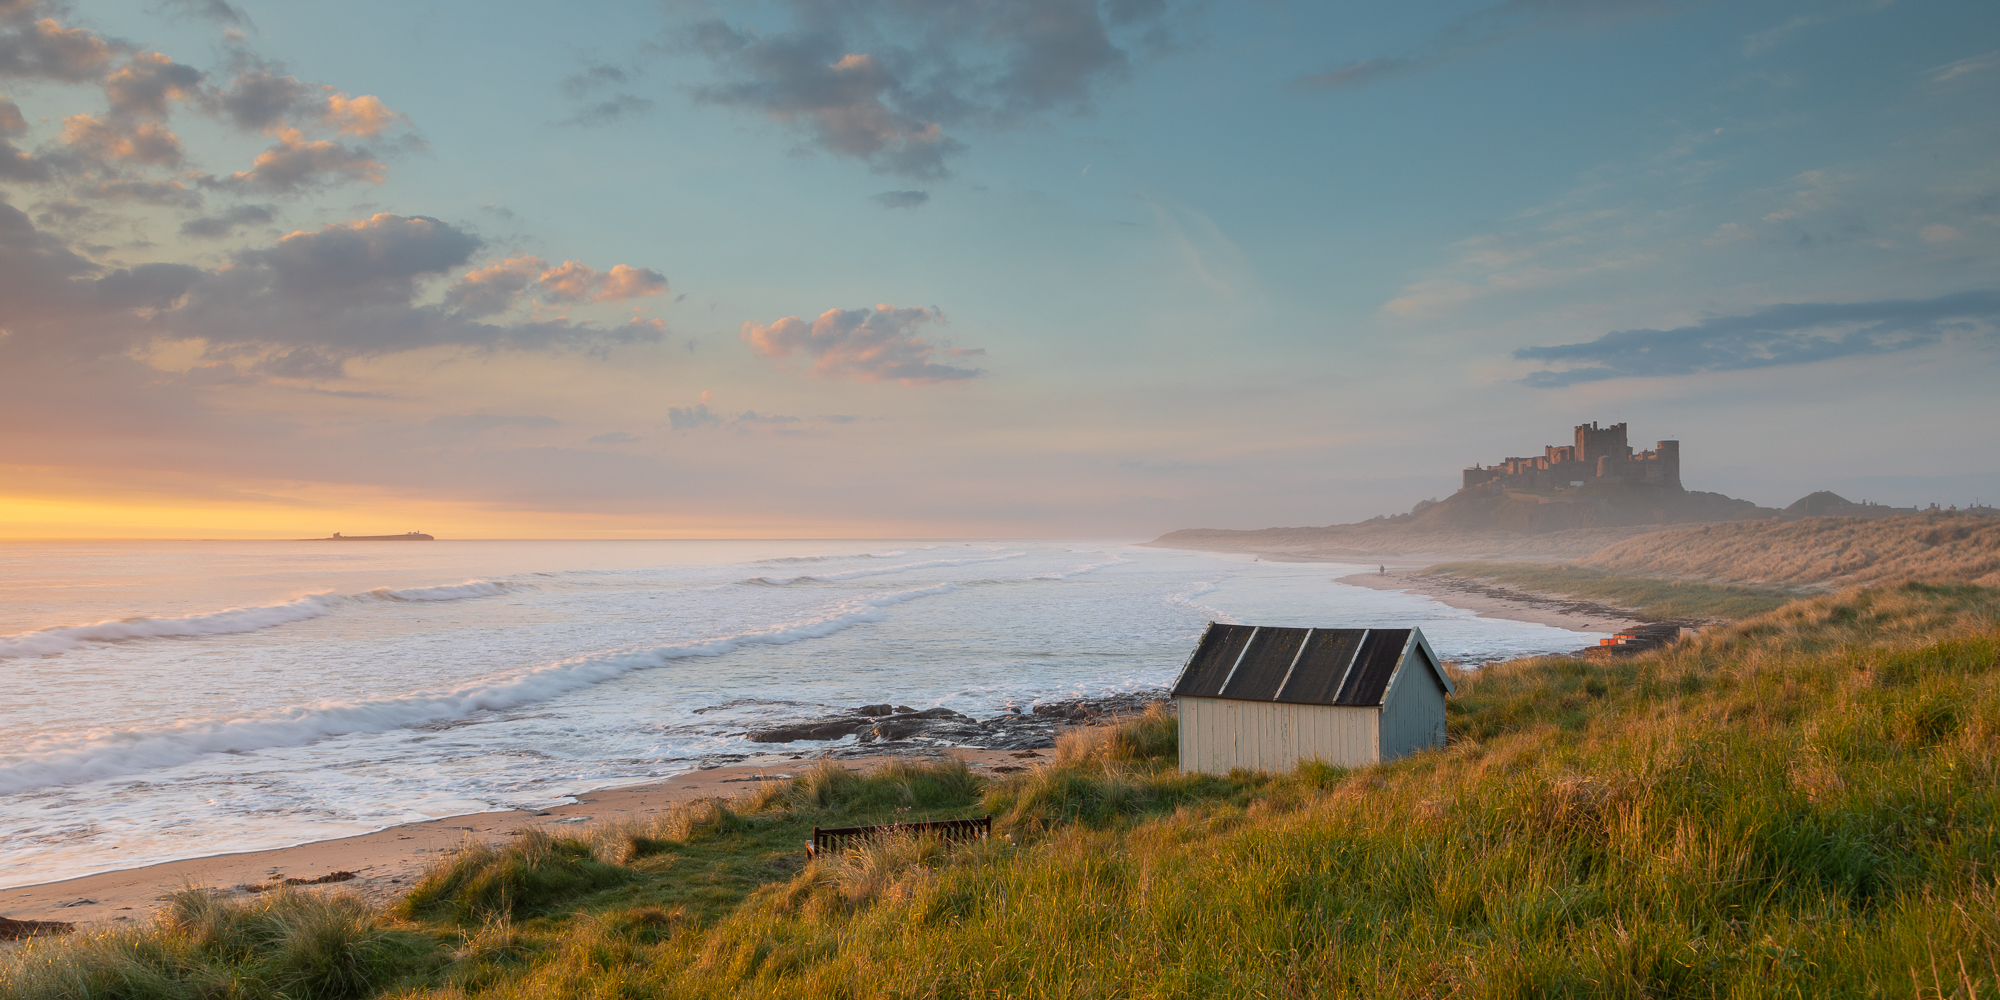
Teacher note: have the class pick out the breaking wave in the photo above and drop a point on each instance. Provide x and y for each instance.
(51, 641)
(1115, 560)
(111, 752)
(855, 574)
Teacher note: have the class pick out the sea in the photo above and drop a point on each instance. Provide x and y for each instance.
(168, 700)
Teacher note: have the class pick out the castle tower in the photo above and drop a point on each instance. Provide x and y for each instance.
(1670, 462)
(1594, 442)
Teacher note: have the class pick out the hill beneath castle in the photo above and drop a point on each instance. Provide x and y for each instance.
(1564, 524)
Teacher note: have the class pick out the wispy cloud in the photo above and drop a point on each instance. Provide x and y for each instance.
(1975, 64)
(1791, 334)
(1472, 32)
(867, 345)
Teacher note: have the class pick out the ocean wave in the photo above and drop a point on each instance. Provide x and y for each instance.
(793, 560)
(62, 639)
(448, 592)
(1186, 599)
(1115, 560)
(855, 574)
(106, 753)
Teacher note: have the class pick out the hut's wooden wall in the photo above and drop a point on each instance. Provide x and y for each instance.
(1218, 734)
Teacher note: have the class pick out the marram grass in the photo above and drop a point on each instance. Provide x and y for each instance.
(1804, 804)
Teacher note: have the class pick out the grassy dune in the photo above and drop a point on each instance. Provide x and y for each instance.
(1806, 803)
(1650, 596)
(1955, 547)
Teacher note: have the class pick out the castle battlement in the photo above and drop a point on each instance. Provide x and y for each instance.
(1598, 455)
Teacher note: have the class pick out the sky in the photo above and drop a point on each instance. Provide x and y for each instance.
(952, 268)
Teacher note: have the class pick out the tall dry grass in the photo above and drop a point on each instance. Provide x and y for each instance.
(1942, 547)
(1804, 804)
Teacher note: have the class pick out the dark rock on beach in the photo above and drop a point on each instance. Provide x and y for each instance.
(883, 729)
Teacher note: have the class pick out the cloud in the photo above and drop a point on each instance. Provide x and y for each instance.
(147, 81)
(261, 98)
(902, 199)
(615, 437)
(688, 418)
(376, 259)
(303, 363)
(496, 287)
(867, 345)
(1470, 33)
(880, 80)
(16, 164)
(579, 87)
(215, 227)
(297, 164)
(618, 107)
(350, 289)
(574, 282)
(364, 116)
(44, 49)
(172, 193)
(213, 10)
(1776, 335)
(111, 138)
(1975, 64)
(753, 417)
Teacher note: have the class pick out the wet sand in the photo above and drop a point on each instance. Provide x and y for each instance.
(386, 863)
(1491, 601)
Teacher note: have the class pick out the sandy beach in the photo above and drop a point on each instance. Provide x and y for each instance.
(386, 863)
(1491, 601)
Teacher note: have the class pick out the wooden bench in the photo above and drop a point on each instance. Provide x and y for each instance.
(839, 837)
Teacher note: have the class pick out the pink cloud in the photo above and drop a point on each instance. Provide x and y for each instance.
(363, 116)
(109, 139)
(574, 282)
(867, 345)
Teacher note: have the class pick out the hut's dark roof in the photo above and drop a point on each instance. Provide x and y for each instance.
(1300, 666)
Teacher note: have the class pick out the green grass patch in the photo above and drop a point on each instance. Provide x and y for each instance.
(1654, 598)
(286, 944)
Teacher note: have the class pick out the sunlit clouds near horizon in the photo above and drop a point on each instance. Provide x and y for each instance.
(1050, 268)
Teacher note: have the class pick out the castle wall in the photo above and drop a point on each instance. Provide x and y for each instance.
(1600, 454)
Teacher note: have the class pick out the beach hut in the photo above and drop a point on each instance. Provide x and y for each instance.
(1266, 698)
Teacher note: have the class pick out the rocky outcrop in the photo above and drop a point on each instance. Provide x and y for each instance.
(884, 728)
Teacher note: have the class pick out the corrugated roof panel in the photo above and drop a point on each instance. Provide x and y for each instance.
(1264, 664)
(1317, 677)
(1369, 679)
(1212, 660)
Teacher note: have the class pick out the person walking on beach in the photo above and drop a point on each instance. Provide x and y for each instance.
(1381, 569)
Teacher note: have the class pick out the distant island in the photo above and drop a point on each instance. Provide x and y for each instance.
(407, 536)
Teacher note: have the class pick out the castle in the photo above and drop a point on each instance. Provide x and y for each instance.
(1600, 455)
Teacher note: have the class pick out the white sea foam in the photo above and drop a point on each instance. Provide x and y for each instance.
(1085, 568)
(856, 574)
(111, 752)
(449, 592)
(51, 641)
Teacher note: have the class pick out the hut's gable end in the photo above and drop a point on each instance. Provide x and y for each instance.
(1413, 713)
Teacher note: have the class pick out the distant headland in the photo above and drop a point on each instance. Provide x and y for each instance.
(407, 536)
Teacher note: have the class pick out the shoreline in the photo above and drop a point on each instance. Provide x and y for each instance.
(1490, 601)
(386, 863)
